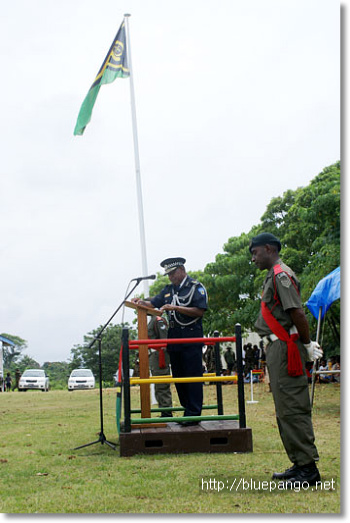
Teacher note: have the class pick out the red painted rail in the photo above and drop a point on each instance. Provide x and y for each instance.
(134, 344)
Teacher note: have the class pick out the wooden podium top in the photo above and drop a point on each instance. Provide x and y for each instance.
(148, 310)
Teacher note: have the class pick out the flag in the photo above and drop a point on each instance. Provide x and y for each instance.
(115, 65)
(325, 293)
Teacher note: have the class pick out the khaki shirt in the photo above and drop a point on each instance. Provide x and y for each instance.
(157, 329)
(287, 294)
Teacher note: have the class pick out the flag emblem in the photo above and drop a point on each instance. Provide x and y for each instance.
(118, 50)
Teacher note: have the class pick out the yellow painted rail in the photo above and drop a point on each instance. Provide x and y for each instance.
(170, 375)
(193, 379)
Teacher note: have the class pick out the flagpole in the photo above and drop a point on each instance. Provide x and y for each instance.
(137, 162)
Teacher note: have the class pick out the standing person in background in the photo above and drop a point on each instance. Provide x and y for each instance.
(209, 358)
(229, 357)
(185, 302)
(249, 358)
(17, 378)
(283, 321)
(256, 351)
(8, 382)
(210, 361)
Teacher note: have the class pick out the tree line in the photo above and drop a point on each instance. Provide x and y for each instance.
(307, 222)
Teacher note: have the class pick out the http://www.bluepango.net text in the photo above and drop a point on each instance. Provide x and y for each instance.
(241, 485)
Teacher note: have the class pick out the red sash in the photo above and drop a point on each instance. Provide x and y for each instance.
(295, 366)
(161, 360)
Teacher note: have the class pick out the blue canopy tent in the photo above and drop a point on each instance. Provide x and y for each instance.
(326, 292)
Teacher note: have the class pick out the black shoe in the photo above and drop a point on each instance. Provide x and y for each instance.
(166, 415)
(187, 423)
(306, 474)
(289, 473)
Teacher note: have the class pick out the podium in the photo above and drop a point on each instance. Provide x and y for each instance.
(142, 312)
(156, 437)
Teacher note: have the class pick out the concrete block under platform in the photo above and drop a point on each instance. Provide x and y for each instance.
(208, 436)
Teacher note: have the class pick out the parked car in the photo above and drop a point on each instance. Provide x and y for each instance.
(34, 379)
(81, 379)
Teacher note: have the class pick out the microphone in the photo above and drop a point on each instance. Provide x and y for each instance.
(152, 277)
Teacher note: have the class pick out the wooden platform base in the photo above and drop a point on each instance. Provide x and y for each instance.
(208, 436)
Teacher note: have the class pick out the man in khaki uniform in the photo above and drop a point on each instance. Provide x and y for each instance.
(283, 321)
(159, 363)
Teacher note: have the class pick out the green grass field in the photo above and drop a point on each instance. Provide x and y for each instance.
(41, 473)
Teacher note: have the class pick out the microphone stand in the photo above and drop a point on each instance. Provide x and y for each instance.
(102, 438)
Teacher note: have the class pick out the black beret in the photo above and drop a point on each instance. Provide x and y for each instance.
(263, 239)
(170, 264)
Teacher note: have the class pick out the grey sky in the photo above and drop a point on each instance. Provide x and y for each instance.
(236, 103)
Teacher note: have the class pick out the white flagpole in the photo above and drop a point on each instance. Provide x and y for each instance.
(137, 162)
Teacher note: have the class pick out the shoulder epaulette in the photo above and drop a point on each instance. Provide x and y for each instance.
(277, 269)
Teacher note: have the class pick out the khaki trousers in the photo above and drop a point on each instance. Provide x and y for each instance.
(162, 390)
(292, 404)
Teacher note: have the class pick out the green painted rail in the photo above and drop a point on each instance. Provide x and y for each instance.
(172, 409)
(225, 417)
